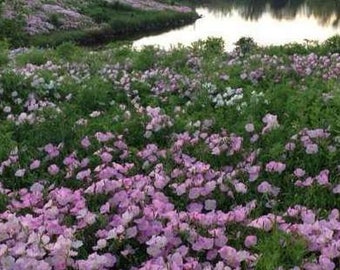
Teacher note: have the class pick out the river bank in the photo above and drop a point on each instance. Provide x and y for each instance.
(86, 22)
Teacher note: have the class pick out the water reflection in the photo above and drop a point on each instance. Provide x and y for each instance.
(267, 21)
(327, 12)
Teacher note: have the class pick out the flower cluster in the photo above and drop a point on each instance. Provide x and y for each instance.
(147, 177)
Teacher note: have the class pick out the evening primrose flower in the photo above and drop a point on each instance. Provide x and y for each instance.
(20, 173)
(271, 122)
(249, 127)
(35, 164)
(250, 241)
(156, 245)
(53, 169)
(312, 148)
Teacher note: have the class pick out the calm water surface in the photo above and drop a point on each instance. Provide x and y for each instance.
(267, 22)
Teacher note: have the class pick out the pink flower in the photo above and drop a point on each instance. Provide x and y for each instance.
(194, 193)
(254, 138)
(20, 173)
(229, 254)
(274, 166)
(250, 241)
(195, 207)
(240, 188)
(35, 164)
(106, 157)
(156, 245)
(265, 223)
(322, 178)
(253, 172)
(53, 169)
(271, 122)
(105, 208)
(299, 172)
(83, 174)
(336, 189)
(85, 142)
(308, 217)
(249, 127)
(210, 205)
(51, 150)
(104, 137)
(290, 146)
(312, 148)
(203, 243)
(326, 263)
(264, 187)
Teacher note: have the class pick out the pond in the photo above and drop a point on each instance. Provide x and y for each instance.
(268, 22)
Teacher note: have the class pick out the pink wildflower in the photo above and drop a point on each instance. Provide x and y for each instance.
(35, 164)
(250, 241)
(20, 173)
(53, 169)
(271, 122)
(249, 127)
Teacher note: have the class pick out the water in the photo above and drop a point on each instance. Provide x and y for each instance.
(267, 22)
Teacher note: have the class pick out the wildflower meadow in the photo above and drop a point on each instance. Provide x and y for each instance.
(192, 158)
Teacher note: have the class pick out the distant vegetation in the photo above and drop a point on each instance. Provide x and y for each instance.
(87, 23)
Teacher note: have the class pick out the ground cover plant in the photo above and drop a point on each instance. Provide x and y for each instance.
(192, 158)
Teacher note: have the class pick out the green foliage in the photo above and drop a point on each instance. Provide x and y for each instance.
(35, 56)
(145, 59)
(11, 81)
(95, 96)
(246, 45)
(332, 44)
(3, 202)
(3, 53)
(57, 38)
(6, 140)
(68, 51)
(12, 31)
(209, 47)
(280, 249)
(55, 20)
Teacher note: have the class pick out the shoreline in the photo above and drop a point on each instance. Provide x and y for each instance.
(102, 36)
(93, 23)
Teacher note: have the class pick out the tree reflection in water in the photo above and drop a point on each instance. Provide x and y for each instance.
(327, 12)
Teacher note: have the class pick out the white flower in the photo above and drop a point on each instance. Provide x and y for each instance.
(7, 109)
